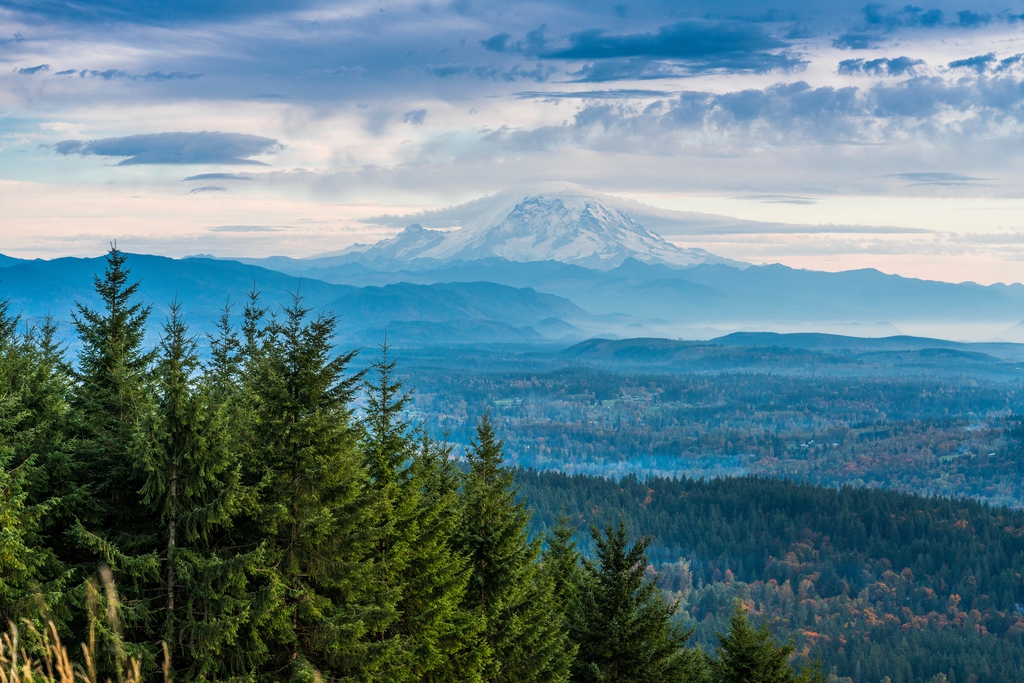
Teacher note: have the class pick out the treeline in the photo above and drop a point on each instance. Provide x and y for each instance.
(268, 515)
(885, 583)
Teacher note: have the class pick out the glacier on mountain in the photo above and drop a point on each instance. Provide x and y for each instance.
(564, 224)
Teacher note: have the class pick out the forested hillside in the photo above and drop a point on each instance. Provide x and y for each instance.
(238, 519)
(886, 583)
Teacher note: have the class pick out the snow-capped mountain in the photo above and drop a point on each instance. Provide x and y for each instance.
(564, 223)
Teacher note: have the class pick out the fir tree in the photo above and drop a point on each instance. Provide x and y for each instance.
(561, 561)
(748, 655)
(522, 627)
(111, 399)
(435, 639)
(30, 575)
(193, 487)
(623, 625)
(313, 517)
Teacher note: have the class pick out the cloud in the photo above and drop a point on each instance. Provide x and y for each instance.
(532, 45)
(248, 228)
(699, 41)
(112, 74)
(969, 19)
(617, 94)
(940, 178)
(979, 63)
(877, 22)
(899, 66)
(787, 114)
(217, 176)
(65, 72)
(415, 117)
(175, 148)
(144, 12)
(207, 188)
(491, 73)
(779, 199)
(32, 70)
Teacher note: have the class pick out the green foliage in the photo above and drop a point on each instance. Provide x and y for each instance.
(622, 623)
(523, 629)
(748, 655)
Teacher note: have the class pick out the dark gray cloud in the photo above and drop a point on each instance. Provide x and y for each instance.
(204, 147)
(701, 45)
(32, 70)
(207, 188)
(899, 66)
(217, 176)
(938, 178)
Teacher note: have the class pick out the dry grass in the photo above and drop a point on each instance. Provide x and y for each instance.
(31, 655)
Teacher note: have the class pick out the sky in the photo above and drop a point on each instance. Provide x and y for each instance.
(861, 135)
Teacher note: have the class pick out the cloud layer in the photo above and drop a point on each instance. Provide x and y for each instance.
(175, 148)
(779, 114)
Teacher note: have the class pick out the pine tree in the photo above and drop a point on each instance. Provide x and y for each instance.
(313, 518)
(624, 625)
(111, 399)
(522, 627)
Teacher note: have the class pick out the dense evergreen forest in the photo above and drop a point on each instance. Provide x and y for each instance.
(236, 518)
(885, 583)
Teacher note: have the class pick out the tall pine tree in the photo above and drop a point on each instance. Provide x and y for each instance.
(523, 629)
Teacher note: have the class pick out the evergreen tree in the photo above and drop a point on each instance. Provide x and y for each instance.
(111, 400)
(435, 638)
(313, 517)
(748, 655)
(33, 411)
(523, 629)
(624, 625)
(193, 487)
(561, 561)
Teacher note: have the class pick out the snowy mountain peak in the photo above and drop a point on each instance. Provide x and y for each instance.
(566, 224)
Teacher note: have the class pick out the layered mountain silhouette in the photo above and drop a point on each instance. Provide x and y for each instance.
(554, 264)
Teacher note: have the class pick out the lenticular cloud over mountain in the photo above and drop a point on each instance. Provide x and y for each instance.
(553, 222)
